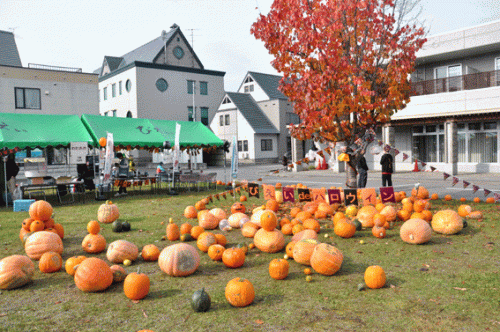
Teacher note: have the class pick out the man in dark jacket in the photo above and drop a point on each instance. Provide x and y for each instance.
(386, 161)
(362, 168)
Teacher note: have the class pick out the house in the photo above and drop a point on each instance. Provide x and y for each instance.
(43, 89)
(258, 115)
(453, 118)
(162, 79)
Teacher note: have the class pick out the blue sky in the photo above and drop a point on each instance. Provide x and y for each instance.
(74, 33)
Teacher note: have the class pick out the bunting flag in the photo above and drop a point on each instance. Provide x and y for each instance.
(380, 142)
(396, 152)
(486, 192)
(446, 175)
(474, 188)
(454, 181)
(433, 168)
(466, 184)
(328, 150)
(496, 196)
(423, 164)
(405, 156)
(305, 160)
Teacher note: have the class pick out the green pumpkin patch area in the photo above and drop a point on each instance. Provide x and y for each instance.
(439, 277)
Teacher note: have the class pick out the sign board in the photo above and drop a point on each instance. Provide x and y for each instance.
(78, 152)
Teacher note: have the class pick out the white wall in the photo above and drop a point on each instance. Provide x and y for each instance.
(123, 103)
(60, 92)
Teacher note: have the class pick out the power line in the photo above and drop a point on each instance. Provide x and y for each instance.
(192, 36)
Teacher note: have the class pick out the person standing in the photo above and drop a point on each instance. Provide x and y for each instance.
(11, 171)
(362, 168)
(123, 169)
(386, 161)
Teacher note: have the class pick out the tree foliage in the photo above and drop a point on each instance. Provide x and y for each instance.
(346, 63)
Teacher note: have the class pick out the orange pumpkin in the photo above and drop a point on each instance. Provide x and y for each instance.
(464, 210)
(238, 207)
(303, 250)
(289, 248)
(365, 216)
(179, 260)
(93, 227)
(190, 212)
(269, 241)
(448, 198)
(239, 292)
(379, 231)
(41, 210)
(326, 259)
(390, 213)
(215, 252)
(205, 240)
(268, 220)
(26, 224)
(196, 231)
(415, 231)
(249, 229)
(286, 229)
(50, 262)
(344, 229)
(446, 222)
(375, 277)
(119, 273)
(150, 253)
(120, 250)
(218, 213)
(490, 200)
(136, 286)
(272, 205)
(237, 219)
(420, 192)
(221, 239)
(312, 224)
(15, 271)
(208, 221)
(94, 243)
(186, 228)
(40, 242)
(72, 263)
(107, 213)
(233, 257)
(93, 275)
(305, 234)
(173, 232)
(278, 268)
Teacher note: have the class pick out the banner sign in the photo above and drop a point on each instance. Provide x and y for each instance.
(288, 194)
(78, 152)
(269, 192)
(369, 196)
(108, 162)
(304, 195)
(350, 197)
(234, 160)
(334, 196)
(387, 195)
(253, 190)
(177, 148)
(318, 195)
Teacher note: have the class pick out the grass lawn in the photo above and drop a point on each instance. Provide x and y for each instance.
(451, 283)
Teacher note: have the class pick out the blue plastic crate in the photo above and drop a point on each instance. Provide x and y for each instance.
(22, 204)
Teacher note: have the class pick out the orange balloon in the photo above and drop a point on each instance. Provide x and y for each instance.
(102, 141)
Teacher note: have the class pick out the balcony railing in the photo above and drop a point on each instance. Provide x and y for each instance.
(57, 68)
(456, 83)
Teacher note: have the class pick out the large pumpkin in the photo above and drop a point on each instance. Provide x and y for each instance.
(415, 231)
(41, 210)
(303, 249)
(108, 212)
(237, 219)
(269, 241)
(179, 260)
(420, 192)
(305, 234)
(16, 271)
(239, 292)
(218, 213)
(249, 229)
(326, 259)
(208, 221)
(40, 242)
(390, 213)
(255, 218)
(365, 215)
(190, 212)
(93, 275)
(120, 250)
(445, 222)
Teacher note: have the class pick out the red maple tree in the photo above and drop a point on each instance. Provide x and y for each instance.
(346, 65)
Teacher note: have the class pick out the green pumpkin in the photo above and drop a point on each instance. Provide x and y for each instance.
(186, 237)
(201, 301)
(358, 224)
(116, 226)
(125, 226)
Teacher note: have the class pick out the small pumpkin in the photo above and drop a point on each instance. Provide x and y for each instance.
(93, 275)
(278, 268)
(93, 227)
(16, 271)
(150, 253)
(233, 257)
(420, 192)
(119, 273)
(445, 222)
(239, 292)
(94, 243)
(379, 232)
(238, 207)
(415, 231)
(41, 210)
(50, 262)
(200, 301)
(375, 277)
(126, 226)
(116, 226)
(136, 286)
(72, 263)
(107, 213)
(218, 213)
(186, 228)
(344, 229)
(215, 252)
(40, 242)
(190, 212)
(173, 232)
(268, 220)
(464, 210)
(120, 250)
(208, 221)
(179, 260)
(305, 234)
(326, 259)
(249, 229)
(205, 240)
(365, 215)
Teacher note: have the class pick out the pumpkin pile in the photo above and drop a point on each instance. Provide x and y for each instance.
(40, 220)
(94, 243)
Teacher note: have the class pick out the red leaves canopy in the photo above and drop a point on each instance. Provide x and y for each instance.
(345, 63)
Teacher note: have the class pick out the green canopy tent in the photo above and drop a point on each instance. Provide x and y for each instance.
(21, 131)
(193, 134)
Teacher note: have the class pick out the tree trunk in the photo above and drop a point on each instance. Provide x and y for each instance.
(351, 176)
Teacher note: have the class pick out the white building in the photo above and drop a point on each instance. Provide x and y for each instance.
(162, 79)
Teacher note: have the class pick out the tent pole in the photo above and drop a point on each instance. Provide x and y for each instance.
(5, 179)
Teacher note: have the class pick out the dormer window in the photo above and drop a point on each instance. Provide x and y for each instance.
(248, 79)
(226, 100)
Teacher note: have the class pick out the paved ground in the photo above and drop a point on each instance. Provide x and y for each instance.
(433, 181)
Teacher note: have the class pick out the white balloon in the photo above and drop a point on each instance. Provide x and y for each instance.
(224, 225)
(243, 221)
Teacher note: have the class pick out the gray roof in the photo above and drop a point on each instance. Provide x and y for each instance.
(268, 83)
(9, 55)
(252, 113)
(147, 52)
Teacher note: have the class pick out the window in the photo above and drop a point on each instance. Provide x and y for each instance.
(190, 113)
(227, 120)
(266, 145)
(448, 78)
(190, 87)
(113, 90)
(178, 52)
(120, 88)
(128, 85)
(226, 100)
(249, 88)
(114, 113)
(204, 115)
(28, 98)
(203, 88)
(105, 93)
(161, 85)
(243, 145)
(221, 120)
(292, 118)
(129, 114)
(497, 68)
